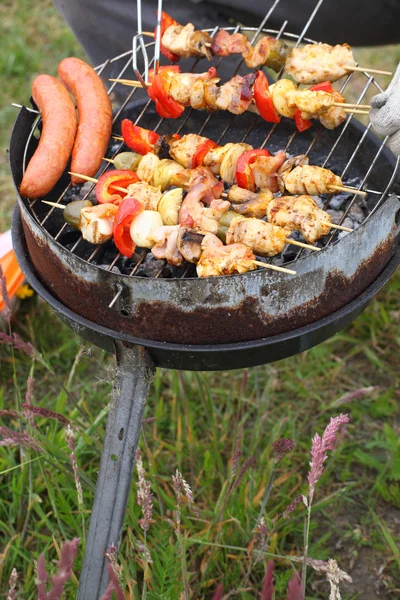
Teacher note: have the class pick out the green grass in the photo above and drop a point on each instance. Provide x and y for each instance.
(196, 422)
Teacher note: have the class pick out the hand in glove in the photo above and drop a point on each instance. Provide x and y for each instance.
(385, 113)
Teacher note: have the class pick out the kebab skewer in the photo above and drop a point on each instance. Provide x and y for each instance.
(201, 210)
(251, 168)
(172, 91)
(313, 63)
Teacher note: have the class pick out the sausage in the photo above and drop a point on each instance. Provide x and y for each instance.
(95, 116)
(56, 140)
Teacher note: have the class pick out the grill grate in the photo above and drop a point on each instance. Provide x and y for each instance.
(108, 258)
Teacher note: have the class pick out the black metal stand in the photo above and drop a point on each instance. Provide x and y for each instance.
(135, 371)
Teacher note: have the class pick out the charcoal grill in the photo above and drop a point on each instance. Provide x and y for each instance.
(151, 315)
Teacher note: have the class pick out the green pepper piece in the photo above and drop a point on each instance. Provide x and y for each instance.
(278, 55)
(127, 161)
(72, 212)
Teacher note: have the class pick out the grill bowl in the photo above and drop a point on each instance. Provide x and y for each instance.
(220, 310)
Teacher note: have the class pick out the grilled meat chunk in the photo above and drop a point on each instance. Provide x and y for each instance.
(147, 195)
(334, 116)
(225, 43)
(165, 246)
(315, 63)
(311, 180)
(195, 215)
(186, 41)
(300, 213)
(237, 94)
(96, 223)
(264, 238)
(189, 244)
(183, 150)
(311, 103)
(217, 259)
(265, 170)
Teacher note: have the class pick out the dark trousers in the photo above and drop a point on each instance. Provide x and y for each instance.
(105, 27)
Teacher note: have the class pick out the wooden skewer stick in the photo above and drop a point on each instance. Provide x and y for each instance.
(301, 245)
(349, 190)
(273, 267)
(349, 105)
(362, 69)
(54, 204)
(334, 226)
(130, 82)
(93, 180)
(353, 111)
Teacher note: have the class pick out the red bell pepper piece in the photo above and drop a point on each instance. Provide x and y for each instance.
(166, 106)
(137, 138)
(301, 124)
(166, 21)
(104, 186)
(263, 99)
(244, 174)
(325, 86)
(127, 211)
(201, 151)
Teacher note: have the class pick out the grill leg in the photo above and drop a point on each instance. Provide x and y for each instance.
(131, 385)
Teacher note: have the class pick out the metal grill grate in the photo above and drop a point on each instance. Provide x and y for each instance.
(107, 257)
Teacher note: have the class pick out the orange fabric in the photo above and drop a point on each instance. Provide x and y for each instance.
(13, 274)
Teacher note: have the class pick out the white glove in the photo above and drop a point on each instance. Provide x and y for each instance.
(385, 113)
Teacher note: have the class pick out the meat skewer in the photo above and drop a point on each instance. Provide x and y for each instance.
(96, 225)
(313, 63)
(172, 91)
(251, 168)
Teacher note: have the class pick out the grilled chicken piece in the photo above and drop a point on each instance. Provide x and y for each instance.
(217, 259)
(187, 178)
(146, 167)
(185, 41)
(265, 170)
(311, 104)
(310, 180)
(290, 163)
(195, 215)
(237, 94)
(315, 63)
(165, 246)
(225, 43)
(180, 85)
(334, 116)
(148, 195)
(184, 149)
(264, 238)
(300, 213)
(97, 223)
(248, 203)
(189, 244)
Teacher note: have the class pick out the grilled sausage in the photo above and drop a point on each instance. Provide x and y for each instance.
(95, 116)
(57, 138)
